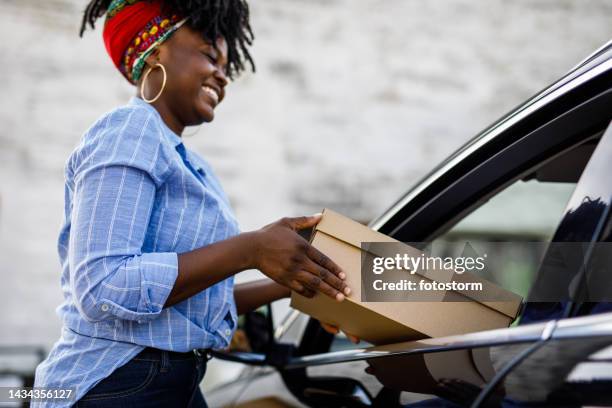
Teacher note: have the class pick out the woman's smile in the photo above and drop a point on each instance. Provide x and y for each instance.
(212, 93)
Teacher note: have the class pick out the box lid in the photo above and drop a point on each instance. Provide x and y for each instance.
(353, 233)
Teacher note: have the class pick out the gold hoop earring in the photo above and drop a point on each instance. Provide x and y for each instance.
(144, 80)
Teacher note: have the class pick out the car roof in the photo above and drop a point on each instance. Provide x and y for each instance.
(597, 63)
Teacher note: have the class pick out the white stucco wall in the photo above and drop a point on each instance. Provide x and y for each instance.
(353, 101)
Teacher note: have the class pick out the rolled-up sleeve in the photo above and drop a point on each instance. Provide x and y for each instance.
(116, 180)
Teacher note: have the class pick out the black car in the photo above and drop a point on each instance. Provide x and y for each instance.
(559, 145)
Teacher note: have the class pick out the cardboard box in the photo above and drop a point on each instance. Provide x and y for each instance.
(340, 239)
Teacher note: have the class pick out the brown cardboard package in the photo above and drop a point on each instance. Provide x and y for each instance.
(340, 239)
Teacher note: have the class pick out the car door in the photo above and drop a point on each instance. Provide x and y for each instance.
(574, 369)
(548, 174)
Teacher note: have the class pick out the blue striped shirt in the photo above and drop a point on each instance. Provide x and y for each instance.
(135, 197)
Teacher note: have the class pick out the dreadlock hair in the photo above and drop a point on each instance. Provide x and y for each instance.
(212, 18)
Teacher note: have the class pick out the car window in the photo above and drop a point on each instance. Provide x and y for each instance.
(512, 228)
(526, 210)
(515, 224)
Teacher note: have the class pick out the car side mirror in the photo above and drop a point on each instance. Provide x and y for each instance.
(258, 329)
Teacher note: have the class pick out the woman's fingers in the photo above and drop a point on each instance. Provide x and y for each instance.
(301, 289)
(315, 283)
(329, 328)
(327, 277)
(320, 258)
(309, 293)
(296, 287)
(298, 223)
(285, 256)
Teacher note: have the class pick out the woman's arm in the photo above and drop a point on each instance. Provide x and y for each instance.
(251, 295)
(276, 250)
(116, 179)
(203, 267)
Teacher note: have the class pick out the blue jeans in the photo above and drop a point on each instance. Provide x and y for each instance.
(154, 378)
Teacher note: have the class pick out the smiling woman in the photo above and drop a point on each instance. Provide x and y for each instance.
(150, 244)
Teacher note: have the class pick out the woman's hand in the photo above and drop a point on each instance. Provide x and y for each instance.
(287, 258)
(330, 328)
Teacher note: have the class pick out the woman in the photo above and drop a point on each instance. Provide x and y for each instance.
(150, 245)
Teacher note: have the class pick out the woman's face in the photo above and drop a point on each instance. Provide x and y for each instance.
(196, 77)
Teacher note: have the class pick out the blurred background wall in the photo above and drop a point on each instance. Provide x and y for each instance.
(353, 101)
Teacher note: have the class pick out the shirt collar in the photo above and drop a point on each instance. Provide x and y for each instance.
(173, 137)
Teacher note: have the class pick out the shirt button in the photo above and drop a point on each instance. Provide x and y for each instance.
(228, 332)
(104, 307)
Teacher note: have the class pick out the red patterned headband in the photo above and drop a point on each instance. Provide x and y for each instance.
(133, 29)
